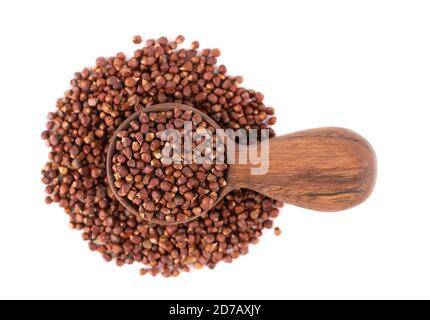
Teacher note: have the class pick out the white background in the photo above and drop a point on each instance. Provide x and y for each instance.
(364, 65)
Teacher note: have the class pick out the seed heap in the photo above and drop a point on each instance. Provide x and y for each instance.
(160, 188)
(78, 134)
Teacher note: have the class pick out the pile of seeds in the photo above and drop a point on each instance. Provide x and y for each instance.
(161, 189)
(78, 133)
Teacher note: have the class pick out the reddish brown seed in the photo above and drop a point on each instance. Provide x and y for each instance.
(259, 96)
(268, 224)
(216, 52)
(165, 186)
(195, 44)
(187, 66)
(153, 183)
(277, 231)
(187, 172)
(130, 82)
(163, 41)
(92, 102)
(197, 119)
(200, 97)
(272, 121)
(136, 239)
(122, 171)
(137, 39)
(180, 39)
(107, 257)
(207, 203)
(207, 76)
(190, 195)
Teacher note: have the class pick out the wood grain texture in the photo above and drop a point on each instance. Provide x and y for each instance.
(327, 169)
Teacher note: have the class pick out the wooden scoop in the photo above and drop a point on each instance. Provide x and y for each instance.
(325, 169)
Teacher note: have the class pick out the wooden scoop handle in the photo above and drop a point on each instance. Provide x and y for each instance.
(326, 169)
